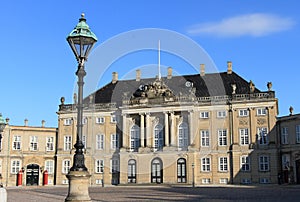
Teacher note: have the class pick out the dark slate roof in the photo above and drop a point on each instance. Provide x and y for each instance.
(214, 84)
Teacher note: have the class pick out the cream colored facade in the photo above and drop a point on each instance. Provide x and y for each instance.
(160, 136)
(30, 149)
(288, 134)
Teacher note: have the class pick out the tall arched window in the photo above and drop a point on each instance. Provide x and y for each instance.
(156, 171)
(183, 136)
(158, 137)
(132, 171)
(181, 170)
(134, 138)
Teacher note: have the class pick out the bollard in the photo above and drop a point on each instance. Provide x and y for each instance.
(3, 194)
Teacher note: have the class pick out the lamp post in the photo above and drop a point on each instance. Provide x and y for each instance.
(2, 126)
(193, 173)
(81, 40)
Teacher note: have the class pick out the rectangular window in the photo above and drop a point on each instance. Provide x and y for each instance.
(99, 166)
(244, 136)
(205, 164)
(222, 135)
(114, 166)
(264, 163)
(246, 181)
(285, 161)
(67, 142)
(67, 122)
(284, 135)
(206, 181)
(113, 119)
(100, 142)
(223, 164)
(221, 114)
(84, 140)
(261, 111)
(262, 136)
(297, 133)
(16, 142)
(204, 115)
(49, 166)
(245, 163)
(49, 143)
(205, 138)
(223, 181)
(66, 165)
(264, 181)
(100, 120)
(114, 141)
(243, 112)
(33, 143)
(15, 166)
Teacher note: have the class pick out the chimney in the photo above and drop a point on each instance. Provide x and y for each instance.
(202, 69)
(229, 67)
(26, 122)
(43, 123)
(138, 75)
(114, 77)
(169, 73)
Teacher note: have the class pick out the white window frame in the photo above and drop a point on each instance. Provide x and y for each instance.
(100, 142)
(114, 141)
(100, 120)
(221, 114)
(66, 165)
(183, 136)
(17, 142)
(113, 118)
(49, 143)
(245, 163)
(99, 166)
(223, 180)
(68, 122)
(244, 136)
(261, 112)
(206, 164)
(243, 112)
(204, 115)
(262, 133)
(223, 164)
(297, 133)
(33, 144)
(84, 142)
(284, 135)
(67, 142)
(134, 138)
(158, 140)
(205, 180)
(49, 166)
(205, 138)
(114, 165)
(264, 180)
(264, 163)
(15, 166)
(222, 137)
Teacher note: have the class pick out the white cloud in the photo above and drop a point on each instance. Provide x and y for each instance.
(257, 24)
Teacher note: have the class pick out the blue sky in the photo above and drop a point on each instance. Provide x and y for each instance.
(261, 38)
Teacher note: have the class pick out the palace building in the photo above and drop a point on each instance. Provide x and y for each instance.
(207, 128)
(27, 155)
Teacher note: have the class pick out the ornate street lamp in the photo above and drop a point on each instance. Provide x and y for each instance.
(81, 40)
(2, 126)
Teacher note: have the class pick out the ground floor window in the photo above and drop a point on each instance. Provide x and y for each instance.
(132, 171)
(181, 170)
(156, 171)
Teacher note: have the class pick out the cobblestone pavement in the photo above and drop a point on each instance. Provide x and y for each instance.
(161, 193)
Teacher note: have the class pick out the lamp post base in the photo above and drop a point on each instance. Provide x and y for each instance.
(78, 186)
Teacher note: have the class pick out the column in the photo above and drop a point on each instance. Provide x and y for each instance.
(124, 131)
(148, 131)
(173, 135)
(191, 128)
(142, 128)
(166, 129)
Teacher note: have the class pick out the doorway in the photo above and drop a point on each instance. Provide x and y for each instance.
(32, 175)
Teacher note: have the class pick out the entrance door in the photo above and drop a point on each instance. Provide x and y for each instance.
(156, 171)
(32, 175)
(298, 171)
